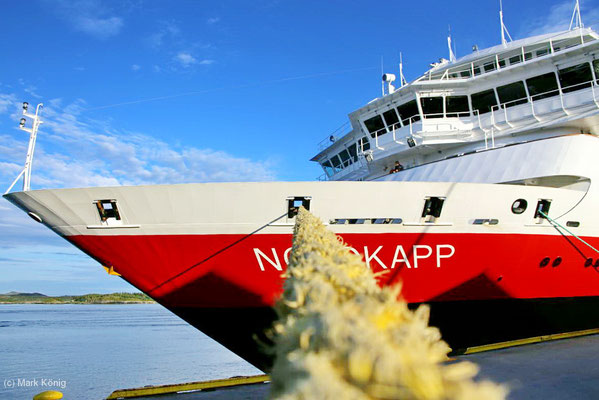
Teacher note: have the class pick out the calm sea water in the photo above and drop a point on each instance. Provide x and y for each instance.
(87, 351)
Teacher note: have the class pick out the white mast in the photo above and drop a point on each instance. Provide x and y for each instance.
(402, 79)
(504, 30)
(26, 172)
(576, 14)
(451, 53)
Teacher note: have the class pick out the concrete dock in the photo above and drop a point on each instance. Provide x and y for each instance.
(552, 370)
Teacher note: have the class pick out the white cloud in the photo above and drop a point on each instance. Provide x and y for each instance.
(101, 28)
(7, 101)
(135, 67)
(91, 17)
(74, 151)
(557, 19)
(168, 31)
(213, 20)
(185, 59)
(207, 62)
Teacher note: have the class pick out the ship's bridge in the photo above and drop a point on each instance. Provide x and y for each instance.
(524, 90)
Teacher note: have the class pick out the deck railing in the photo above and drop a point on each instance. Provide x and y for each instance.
(493, 62)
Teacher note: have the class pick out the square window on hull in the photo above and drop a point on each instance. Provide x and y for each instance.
(108, 210)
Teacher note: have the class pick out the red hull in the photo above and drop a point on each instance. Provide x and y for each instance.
(494, 287)
(226, 270)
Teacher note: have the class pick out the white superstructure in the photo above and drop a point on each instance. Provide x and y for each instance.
(510, 94)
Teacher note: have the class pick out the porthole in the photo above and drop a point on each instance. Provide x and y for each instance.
(557, 261)
(588, 262)
(519, 206)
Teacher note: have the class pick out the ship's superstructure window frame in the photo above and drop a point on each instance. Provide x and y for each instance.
(391, 118)
(484, 101)
(409, 112)
(364, 144)
(375, 126)
(575, 77)
(432, 107)
(542, 86)
(512, 94)
(457, 106)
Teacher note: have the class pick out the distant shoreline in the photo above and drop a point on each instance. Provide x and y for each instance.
(112, 298)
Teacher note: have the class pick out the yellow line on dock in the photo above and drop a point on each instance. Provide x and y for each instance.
(531, 340)
(183, 387)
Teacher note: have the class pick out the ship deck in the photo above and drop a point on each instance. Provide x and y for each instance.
(556, 369)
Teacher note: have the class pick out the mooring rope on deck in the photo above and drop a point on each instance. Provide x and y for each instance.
(341, 336)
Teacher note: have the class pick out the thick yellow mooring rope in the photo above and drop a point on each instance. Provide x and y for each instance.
(340, 336)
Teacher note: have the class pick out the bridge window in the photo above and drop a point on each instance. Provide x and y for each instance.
(336, 164)
(542, 86)
(345, 160)
(391, 118)
(483, 101)
(575, 78)
(375, 125)
(353, 152)
(457, 106)
(409, 111)
(328, 168)
(432, 107)
(512, 94)
(364, 144)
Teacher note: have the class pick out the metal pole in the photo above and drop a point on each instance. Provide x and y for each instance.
(31, 148)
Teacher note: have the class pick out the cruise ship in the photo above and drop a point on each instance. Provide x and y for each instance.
(474, 185)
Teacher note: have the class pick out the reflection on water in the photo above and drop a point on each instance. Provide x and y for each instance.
(95, 349)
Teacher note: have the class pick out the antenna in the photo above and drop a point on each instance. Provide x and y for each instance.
(451, 53)
(402, 79)
(26, 172)
(503, 27)
(576, 14)
(382, 81)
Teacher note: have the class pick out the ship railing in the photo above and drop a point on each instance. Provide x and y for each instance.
(559, 102)
(523, 54)
(408, 126)
(333, 136)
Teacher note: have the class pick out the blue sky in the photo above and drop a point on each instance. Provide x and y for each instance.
(196, 91)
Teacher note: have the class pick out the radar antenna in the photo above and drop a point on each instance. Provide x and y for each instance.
(504, 30)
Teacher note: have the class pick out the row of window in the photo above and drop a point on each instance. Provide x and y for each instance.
(510, 58)
(345, 157)
(538, 87)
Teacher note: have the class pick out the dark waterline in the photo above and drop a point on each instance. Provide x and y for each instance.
(92, 350)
